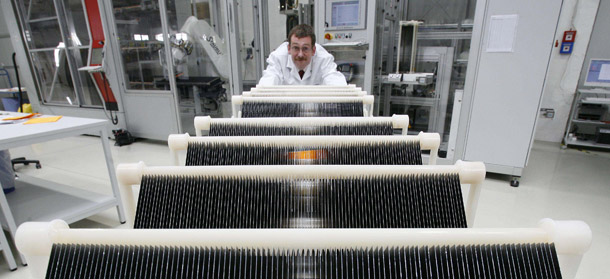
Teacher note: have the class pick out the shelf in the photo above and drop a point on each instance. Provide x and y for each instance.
(592, 122)
(594, 91)
(587, 143)
(35, 199)
(414, 101)
(596, 101)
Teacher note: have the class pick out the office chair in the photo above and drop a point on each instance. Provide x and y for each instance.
(21, 160)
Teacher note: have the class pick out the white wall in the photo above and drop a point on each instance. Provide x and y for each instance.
(564, 70)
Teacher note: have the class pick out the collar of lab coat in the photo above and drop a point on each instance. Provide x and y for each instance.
(294, 71)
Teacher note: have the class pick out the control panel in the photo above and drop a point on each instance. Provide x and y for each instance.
(344, 21)
(345, 29)
(338, 36)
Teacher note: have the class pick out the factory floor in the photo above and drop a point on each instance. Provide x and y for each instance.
(559, 184)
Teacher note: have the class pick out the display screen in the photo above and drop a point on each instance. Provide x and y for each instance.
(345, 13)
(599, 73)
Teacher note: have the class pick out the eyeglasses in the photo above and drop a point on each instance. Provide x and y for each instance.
(304, 49)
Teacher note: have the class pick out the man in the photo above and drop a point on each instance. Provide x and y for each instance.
(300, 61)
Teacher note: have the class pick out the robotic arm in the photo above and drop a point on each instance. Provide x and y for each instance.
(201, 32)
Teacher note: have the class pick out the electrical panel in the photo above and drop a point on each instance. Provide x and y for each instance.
(567, 43)
(345, 21)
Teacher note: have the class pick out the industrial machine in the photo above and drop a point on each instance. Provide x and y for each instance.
(347, 30)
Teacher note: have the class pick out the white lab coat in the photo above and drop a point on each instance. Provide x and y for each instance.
(321, 71)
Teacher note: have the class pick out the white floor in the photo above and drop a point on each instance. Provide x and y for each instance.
(560, 184)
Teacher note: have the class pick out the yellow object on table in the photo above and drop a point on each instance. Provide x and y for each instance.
(20, 117)
(43, 120)
(27, 108)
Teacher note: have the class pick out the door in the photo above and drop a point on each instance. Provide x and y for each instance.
(508, 85)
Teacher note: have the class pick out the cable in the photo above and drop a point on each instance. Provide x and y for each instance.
(115, 119)
(18, 84)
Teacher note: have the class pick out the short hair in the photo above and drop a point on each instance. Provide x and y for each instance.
(302, 31)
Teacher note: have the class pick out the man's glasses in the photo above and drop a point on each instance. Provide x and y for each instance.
(299, 49)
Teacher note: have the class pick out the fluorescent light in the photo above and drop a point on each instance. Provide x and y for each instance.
(137, 37)
(56, 51)
(181, 36)
(75, 39)
(144, 37)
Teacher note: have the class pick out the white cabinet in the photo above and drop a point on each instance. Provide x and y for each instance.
(507, 87)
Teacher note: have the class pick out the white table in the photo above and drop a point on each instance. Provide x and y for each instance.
(38, 200)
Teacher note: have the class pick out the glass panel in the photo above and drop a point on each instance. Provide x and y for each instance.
(200, 89)
(77, 23)
(35, 9)
(430, 107)
(44, 34)
(441, 12)
(54, 74)
(138, 24)
(248, 63)
(91, 97)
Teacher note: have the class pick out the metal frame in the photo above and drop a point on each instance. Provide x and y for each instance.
(25, 20)
(394, 19)
(572, 120)
(372, 16)
(232, 30)
(64, 28)
(444, 57)
(457, 133)
(114, 52)
(171, 76)
(115, 68)
(261, 36)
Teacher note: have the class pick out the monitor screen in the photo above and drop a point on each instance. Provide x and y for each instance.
(598, 73)
(345, 13)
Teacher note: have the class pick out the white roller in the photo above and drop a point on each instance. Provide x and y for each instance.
(368, 101)
(571, 238)
(428, 141)
(306, 87)
(472, 173)
(312, 93)
(398, 121)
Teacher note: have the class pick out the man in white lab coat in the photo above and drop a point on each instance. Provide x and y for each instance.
(300, 61)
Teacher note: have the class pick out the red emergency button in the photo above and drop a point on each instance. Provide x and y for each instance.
(328, 36)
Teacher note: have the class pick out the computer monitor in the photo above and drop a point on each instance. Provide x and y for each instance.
(345, 15)
(598, 73)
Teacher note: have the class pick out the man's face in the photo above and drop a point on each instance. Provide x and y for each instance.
(301, 51)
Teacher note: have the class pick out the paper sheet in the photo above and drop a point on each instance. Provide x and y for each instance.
(604, 72)
(20, 117)
(43, 120)
(502, 32)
